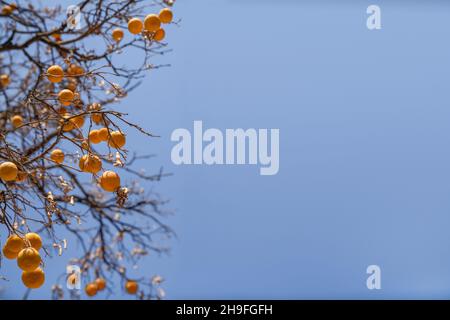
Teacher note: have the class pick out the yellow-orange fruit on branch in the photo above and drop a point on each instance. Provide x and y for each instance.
(16, 121)
(57, 155)
(117, 34)
(55, 74)
(91, 289)
(75, 70)
(78, 121)
(8, 171)
(8, 254)
(131, 287)
(103, 134)
(74, 122)
(135, 26)
(33, 279)
(152, 22)
(4, 80)
(93, 137)
(117, 139)
(7, 10)
(34, 239)
(159, 35)
(166, 15)
(28, 259)
(90, 163)
(101, 284)
(14, 243)
(110, 181)
(65, 97)
(97, 118)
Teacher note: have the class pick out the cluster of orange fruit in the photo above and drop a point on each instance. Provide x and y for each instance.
(99, 284)
(152, 25)
(109, 180)
(92, 288)
(26, 251)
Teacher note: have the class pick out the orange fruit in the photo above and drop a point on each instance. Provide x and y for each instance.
(90, 163)
(14, 243)
(110, 181)
(78, 121)
(68, 125)
(166, 15)
(75, 70)
(74, 123)
(33, 279)
(159, 35)
(4, 80)
(66, 97)
(97, 118)
(34, 239)
(103, 134)
(135, 26)
(7, 10)
(8, 254)
(131, 287)
(93, 137)
(55, 74)
(91, 289)
(28, 259)
(101, 284)
(152, 22)
(117, 34)
(116, 140)
(57, 155)
(72, 84)
(17, 121)
(8, 171)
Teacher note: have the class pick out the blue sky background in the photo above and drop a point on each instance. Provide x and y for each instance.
(364, 176)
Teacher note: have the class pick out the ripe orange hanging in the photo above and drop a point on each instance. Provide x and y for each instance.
(57, 155)
(131, 287)
(28, 259)
(14, 243)
(16, 121)
(159, 35)
(96, 118)
(33, 279)
(93, 137)
(8, 171)
(90, 163)
(135, 26)
(103, 134)
(75, 70)
(117, 139)
(34, 240)
(66, 97)
(91, 289)
(152, 22)
(117, 34)
(4, 80)
(55, 74)
(101, 284)
(110, 181)
(166, 15)
(8, 254)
